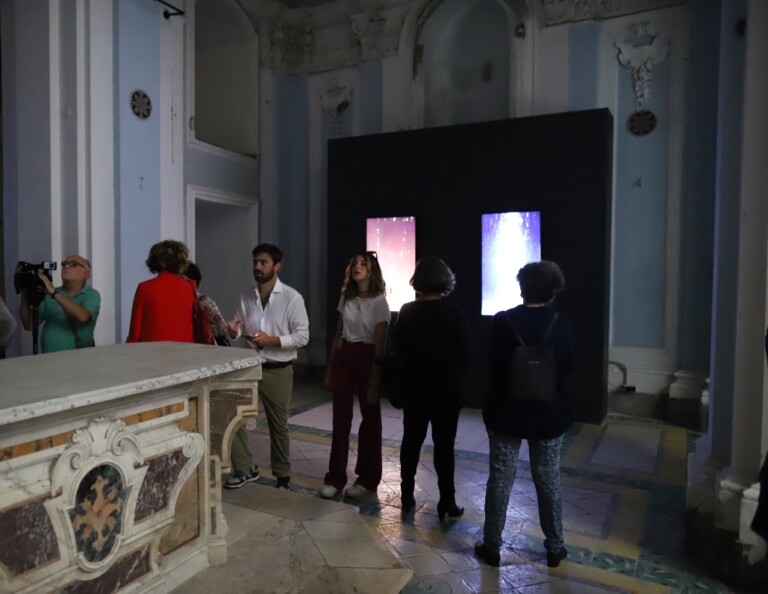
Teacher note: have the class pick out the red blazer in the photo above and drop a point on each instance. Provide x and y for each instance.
(163, 310)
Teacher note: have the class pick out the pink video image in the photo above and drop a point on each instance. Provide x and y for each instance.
(394, 241)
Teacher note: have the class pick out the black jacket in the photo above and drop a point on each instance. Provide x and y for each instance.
(527, 421)
(432, 340)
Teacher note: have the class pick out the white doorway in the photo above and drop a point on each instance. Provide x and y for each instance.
(221, 234)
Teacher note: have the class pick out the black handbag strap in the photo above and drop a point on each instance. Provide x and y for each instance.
(543, 338)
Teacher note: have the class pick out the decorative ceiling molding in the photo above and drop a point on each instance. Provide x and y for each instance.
(557, 12)
(305, 44)
(345, 33)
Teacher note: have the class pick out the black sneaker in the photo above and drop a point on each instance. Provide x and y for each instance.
(284, 482)
(238, 479)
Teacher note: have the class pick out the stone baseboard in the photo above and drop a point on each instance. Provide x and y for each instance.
(720, 553)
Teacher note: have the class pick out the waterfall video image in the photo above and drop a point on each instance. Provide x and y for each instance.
(509, 241)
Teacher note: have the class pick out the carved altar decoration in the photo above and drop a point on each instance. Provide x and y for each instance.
(105, 481)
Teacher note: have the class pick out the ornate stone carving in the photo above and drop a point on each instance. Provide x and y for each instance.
(640, 52)
(101, 441)
(557, 12)
(368, 29)
(106, 483)
(334, 102)
(291, 47)
(91, 485)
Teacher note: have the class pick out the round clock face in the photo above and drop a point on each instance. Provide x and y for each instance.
(141, 106)
(641, 123)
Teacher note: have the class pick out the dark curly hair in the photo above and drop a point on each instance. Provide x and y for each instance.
(540, 281)
(271, 250)
(432, 275)
(193, 273)
(168, 256)
(376, 285)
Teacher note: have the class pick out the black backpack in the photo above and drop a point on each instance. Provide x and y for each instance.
(533, 370)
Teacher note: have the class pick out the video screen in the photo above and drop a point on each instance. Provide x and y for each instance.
(510, 240)
(394, 241)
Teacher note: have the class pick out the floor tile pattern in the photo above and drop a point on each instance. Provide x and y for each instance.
(623, 497)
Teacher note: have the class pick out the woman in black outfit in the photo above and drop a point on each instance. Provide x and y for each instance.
(432, 341)
(509, 421)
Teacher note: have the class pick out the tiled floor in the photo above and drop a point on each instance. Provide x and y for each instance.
(623, 493)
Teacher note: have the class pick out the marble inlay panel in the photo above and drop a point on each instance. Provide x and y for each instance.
(189, 423)
(52, 441)
(156, 489)
(97, 517)
(127, 569)
(186, 522)
(155, 413)
(224, 405)
(27, 539)
(38, 445)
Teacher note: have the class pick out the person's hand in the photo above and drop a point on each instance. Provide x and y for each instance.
(233, 327)
(262, 339)
(49, 288)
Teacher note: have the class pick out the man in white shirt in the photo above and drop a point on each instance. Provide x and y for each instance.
(273, 318)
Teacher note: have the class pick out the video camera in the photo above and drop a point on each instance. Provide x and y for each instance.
(27, 281)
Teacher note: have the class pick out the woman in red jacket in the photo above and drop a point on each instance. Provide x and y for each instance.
(163, 306)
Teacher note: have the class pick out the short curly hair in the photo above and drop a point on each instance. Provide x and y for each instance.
(432, 275)
(168, 255)
(540, 281)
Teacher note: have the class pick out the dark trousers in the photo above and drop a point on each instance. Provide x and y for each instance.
(350, 375)
(445, 420)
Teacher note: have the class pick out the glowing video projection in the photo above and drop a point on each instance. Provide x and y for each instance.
(394, 240)
(509, 241)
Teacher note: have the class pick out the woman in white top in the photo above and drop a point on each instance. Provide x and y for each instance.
(360, 334)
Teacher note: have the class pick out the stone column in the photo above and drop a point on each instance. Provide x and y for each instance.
(749, 375)
(713, 449)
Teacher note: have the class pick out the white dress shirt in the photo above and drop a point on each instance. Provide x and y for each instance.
(284, 316)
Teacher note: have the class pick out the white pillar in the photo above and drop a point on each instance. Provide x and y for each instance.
(749, 382)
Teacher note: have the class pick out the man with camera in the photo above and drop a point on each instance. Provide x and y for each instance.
(68, 313)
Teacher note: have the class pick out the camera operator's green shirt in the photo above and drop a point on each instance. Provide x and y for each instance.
(56, 334)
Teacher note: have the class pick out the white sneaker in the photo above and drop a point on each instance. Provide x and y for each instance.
(328, 492)
(356, 491)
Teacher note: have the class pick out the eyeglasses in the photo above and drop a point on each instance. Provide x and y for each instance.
(71, 264)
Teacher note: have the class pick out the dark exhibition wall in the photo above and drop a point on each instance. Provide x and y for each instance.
(559, 165)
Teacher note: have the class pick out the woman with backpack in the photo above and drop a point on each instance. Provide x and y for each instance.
(529, 355)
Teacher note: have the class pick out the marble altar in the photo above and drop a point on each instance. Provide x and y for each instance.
(110, 464)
